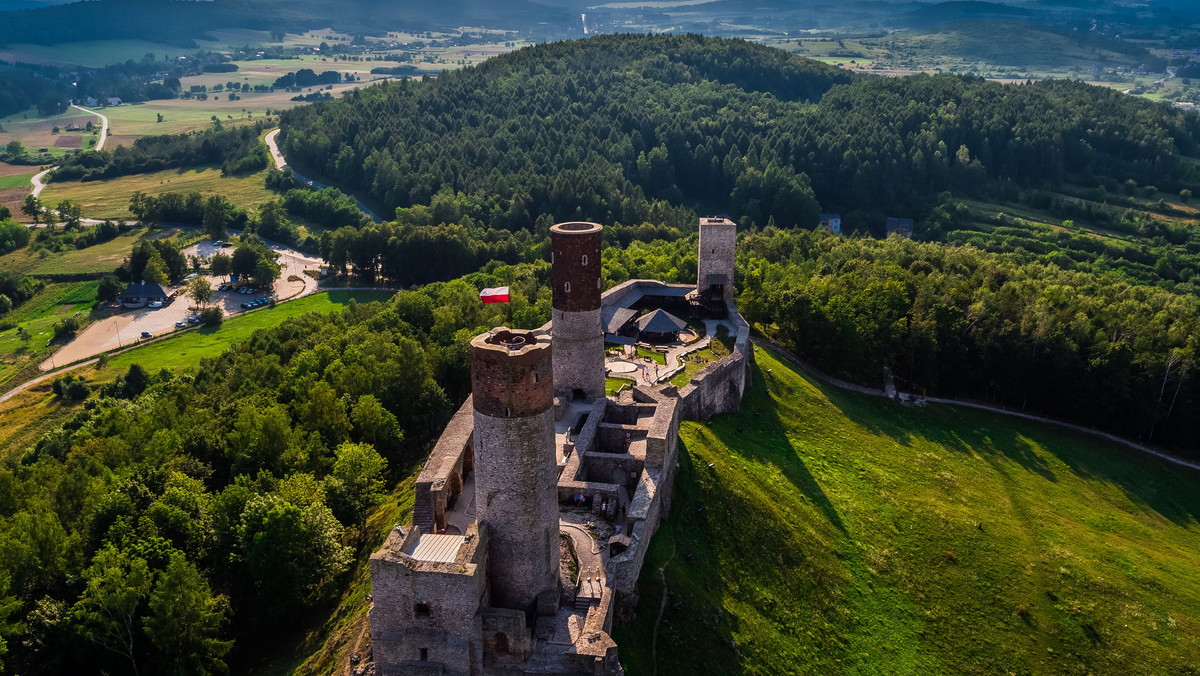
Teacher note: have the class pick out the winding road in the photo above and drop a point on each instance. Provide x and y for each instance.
(272, 141)
(38, 184)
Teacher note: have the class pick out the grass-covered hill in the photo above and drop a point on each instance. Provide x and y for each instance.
(624, 128)
(819, 532)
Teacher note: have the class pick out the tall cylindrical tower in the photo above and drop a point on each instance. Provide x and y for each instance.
(515, 466)
(714, 270)
(578, 334)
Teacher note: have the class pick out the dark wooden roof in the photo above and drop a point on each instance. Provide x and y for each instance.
(661, 321)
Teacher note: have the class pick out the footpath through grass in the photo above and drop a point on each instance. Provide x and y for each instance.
(840, 533)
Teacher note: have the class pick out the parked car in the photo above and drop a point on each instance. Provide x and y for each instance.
(147, 334)
(245, 306)
(193, 319)
(154, 304)
(181, 325)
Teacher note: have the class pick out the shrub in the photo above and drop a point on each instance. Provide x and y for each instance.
(212, 316)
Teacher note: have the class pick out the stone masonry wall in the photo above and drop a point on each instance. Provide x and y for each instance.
(516, 495)
(718, 241)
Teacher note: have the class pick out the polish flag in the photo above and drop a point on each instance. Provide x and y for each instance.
(496, 295)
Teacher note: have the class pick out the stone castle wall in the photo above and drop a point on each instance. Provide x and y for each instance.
(718, 388)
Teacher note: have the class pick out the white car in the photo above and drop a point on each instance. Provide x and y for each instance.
(154, 304)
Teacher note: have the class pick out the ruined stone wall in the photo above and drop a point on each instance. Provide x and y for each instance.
(718, 388)
(427, 614)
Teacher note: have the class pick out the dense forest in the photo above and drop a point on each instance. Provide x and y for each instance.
(634, 131)
(612, 127)
(238, 492)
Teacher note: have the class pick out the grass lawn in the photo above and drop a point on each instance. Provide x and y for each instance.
(110, 198)
(840, 533)
(38, 316)
(692, 364)
(187, 349)
(612, 385)
(660, 358)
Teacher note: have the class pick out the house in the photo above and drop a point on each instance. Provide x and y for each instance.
(900, 226)
(832, 223)
(90, 101)
(140, 293)
(113, 101)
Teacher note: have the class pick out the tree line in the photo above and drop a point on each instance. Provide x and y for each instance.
(1093, 348)
(235, 151)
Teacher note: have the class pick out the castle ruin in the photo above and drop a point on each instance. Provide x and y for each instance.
(534, 511)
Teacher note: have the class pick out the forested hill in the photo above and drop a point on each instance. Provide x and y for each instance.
(619, 128)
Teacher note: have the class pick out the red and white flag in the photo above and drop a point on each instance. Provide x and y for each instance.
(496, 295)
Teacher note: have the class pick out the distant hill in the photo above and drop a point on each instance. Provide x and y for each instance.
(1020, 44)
(183, 21)
(959, 10)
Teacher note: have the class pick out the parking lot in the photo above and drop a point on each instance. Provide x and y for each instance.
(126, 325)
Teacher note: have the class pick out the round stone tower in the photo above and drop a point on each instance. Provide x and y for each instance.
(578, 335)
(714, 271)
(516, 477)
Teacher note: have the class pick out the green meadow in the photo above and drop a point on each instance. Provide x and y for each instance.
(820, 531)
(186, 349)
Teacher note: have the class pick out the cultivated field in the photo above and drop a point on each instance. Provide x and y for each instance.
(848, 534)
(36, 132)
(110, 198)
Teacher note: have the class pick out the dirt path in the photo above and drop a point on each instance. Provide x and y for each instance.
(662, 609)
(42, 378)
(814, 372)
(354, 646)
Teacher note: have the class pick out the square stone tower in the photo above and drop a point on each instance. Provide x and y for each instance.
(578, 333)
(714, 273)
(516, 473)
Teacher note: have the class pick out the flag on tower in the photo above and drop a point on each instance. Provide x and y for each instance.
(496, 295)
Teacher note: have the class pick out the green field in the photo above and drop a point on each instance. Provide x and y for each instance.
(15, 181)
(187, 349)
(38, 316)
(110, 198)
(840, 533)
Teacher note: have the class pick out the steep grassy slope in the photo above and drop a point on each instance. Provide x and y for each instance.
(837, 533)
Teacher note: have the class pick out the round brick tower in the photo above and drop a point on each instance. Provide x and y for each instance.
(516, 477)
(578, 335)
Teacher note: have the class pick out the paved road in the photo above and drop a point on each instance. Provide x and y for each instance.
(272, 141)
(103, 125)
(39, 185)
